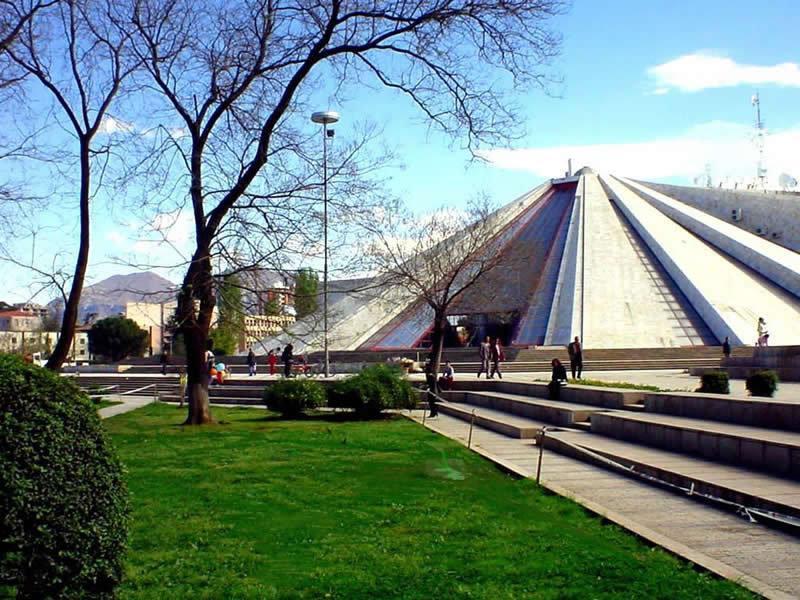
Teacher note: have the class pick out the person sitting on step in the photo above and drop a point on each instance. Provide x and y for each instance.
(446, 380)
(557, 379)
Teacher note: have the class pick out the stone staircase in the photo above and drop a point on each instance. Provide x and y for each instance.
(733, 452)
(517, 359)
(166, 388)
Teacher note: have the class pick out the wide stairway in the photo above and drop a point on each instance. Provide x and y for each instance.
(736, 453)
(240, 391)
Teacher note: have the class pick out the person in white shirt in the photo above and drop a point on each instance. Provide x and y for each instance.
(763, 332)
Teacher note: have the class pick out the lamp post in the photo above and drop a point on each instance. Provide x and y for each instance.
(325, 118)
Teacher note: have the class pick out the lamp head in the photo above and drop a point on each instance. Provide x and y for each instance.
(325, 117)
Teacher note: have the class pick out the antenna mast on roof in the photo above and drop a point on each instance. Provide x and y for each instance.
(761, 172)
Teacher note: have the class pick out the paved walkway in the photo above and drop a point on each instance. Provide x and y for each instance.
(672, 379)
(666, 379)
(127, 404)
(762, 559)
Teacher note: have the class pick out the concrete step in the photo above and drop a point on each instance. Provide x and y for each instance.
(772, 414)
(732, 483)
(578, 394)
(564, 414)
(588, 367)
(237, 400)
(764, 450)
(495, 420)
(231, 390)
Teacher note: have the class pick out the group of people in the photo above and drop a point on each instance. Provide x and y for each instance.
(287, 357)
(272, 359)
(491, 355)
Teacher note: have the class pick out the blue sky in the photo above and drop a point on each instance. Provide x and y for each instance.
(654, 89)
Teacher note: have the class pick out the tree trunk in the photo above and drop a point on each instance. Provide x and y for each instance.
(195, 322)
(70, 317)
(437, 340)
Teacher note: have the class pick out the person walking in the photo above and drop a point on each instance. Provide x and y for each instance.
(497, 356)
(288, 354)
(726, 347)
(485, 353)
(575, 351)
(164, 362)
(558, 378)
(251, 362)
(763, 332)
(183, 381)
(430, 381)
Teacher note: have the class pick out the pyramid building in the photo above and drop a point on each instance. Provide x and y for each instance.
(621, 263)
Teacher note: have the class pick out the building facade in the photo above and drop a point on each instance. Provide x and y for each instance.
(43, 342)
(20, 320)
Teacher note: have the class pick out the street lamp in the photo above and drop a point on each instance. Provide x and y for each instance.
(325, 118)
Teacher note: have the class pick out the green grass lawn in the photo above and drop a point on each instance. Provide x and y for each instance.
(257, 507)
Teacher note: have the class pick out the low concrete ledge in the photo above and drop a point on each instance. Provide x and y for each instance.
(533, 408)
(580, 394)
(760, 452)
(702, 482)
(718, 407)
(506, 428)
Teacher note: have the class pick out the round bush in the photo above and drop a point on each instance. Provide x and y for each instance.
(762, 383)
(714, 382)
(63, 499)
(375, 389)
(290, 397)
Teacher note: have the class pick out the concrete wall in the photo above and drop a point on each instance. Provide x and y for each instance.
(778, 214)
(727, 295)
(780, 265)
(565, 312)
(629, 301)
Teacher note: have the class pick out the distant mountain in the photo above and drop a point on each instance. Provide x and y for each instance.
(108, 298)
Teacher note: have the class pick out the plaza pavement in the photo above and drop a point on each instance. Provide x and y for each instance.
(127, 404)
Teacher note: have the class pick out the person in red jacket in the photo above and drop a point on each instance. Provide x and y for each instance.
(272, 360)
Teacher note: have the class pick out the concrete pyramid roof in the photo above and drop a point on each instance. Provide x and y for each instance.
(621, 263)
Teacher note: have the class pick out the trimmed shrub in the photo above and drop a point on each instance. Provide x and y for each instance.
(290, 397)
(63, 499)
(762, 383)
(375, 389)
(714, 382)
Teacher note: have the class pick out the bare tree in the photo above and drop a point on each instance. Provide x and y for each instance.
(235, 77)
(433, 262)
(14, 16)
(76, 53)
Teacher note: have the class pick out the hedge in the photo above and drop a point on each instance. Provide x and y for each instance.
(63, 499)
(291, 397)
(375, 389)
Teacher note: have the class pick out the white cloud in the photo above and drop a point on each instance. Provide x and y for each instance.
(116, 238)
(701, 71)
(111, 125)
(726, 147)
(177, 133)
(174, 228)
